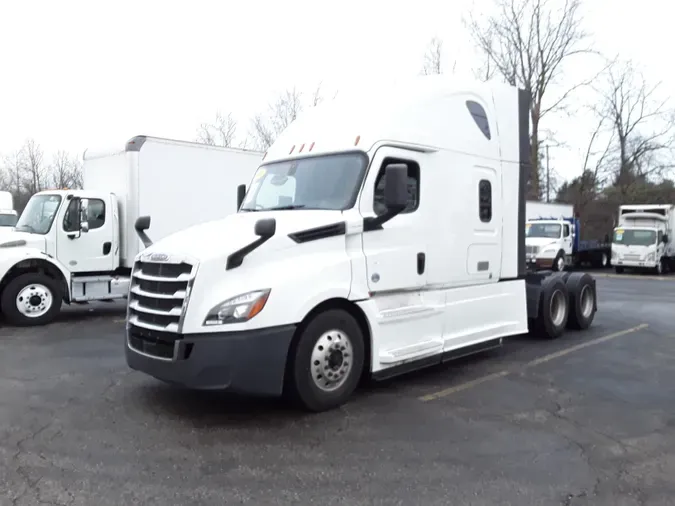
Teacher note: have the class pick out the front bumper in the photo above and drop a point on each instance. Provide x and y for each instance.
(251, 362)
(534, 263)
(635, 264)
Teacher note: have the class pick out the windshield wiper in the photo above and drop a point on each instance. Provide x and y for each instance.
(286, 208)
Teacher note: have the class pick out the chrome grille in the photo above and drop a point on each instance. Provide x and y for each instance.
(531, 250)
(631, 258)
(159, 293)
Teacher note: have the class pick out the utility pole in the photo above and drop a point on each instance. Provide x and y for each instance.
(548, 176)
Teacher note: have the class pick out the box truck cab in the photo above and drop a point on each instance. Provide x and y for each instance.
(383, 232)
(641, 240)
(8, 214)
(76, 246)
(550, 243)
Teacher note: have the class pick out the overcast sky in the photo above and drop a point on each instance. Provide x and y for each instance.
(76, 74)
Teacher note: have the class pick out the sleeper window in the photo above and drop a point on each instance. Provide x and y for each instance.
(485, 201)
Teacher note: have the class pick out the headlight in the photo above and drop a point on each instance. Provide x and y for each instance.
(650, 257)
(238, 309)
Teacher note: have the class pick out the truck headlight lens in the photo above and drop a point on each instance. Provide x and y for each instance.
(650, 257)
(238, 309)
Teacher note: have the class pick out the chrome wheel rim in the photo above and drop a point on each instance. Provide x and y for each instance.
(332, 359)
(558, 307)
(586, 301)
(34, 300)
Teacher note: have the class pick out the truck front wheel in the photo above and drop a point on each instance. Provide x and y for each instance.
(31, 299)
(328, 360)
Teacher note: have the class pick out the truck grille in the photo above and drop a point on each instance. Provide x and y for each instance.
(159, 293)
(531, 250)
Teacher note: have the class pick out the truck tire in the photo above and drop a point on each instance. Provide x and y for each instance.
(553, 308)
(31, 299)
(582, 299)
(327, 362)
(559, 262)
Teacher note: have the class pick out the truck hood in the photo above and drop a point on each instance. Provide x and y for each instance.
(14, 239)
(541, 242)
(218, 238)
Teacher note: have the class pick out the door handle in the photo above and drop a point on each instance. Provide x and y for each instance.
(421, 260)
(107, 246)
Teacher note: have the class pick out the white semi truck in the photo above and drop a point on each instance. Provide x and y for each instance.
(383, 232)
(77, 246)
(8, 214)
(642, 238)
(553, 239)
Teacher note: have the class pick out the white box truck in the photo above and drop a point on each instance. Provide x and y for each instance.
(553, 239)
(8, 214)
(79, 245)
(382, 233)
(642, 238)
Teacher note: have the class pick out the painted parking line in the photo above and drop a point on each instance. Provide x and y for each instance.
(633, 276)
(541, 360)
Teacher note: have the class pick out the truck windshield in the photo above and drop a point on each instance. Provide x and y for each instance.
(7, 220)
(635, 237)
(39, 214)
(548, 230)
(320, 182)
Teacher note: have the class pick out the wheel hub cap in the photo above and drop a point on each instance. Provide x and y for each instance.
(34, 301)
(331, 360)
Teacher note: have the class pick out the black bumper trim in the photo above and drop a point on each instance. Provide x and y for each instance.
(250, 362)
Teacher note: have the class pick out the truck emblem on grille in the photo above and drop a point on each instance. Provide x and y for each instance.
(159, 257)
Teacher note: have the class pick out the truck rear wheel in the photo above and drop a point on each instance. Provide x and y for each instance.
(328, 360)
(31, 299)
(582, 298)
(553, 308)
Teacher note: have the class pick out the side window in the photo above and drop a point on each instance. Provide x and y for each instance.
(480, 117)
(566, 230)
(660, 236)
(485, 200)
(413, 187)
(96, 213)
(70, 222)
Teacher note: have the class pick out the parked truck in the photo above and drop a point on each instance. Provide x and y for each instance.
(553, 239)
(382, 233)
(642, 239)
(76, 246)
(8, 214)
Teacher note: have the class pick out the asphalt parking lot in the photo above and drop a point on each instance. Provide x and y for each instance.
(584, 420)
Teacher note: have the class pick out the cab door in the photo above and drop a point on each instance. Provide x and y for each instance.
(84, 250)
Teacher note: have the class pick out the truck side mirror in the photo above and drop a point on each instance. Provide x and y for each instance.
(396, 187)
(83, 215)
(265, 228)
(664, 238)
(241, 193)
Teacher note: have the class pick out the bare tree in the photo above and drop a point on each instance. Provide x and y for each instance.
(219, 133)
(36, 171)
(265, 128)
(641, 123)
(527, 42)
(433, 57)
(65, 171)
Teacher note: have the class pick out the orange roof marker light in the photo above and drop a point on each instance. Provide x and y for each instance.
(356, 142)
(301, 148)
(265, 155)
(311, 147)
(291, 151)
